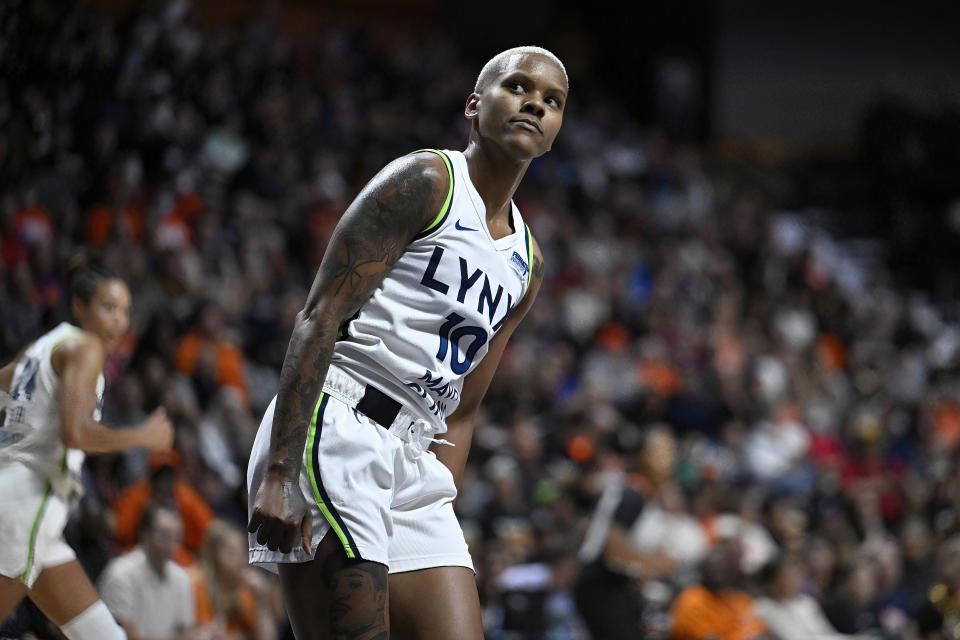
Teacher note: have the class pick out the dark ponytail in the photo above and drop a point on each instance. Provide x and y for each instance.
(85, 273)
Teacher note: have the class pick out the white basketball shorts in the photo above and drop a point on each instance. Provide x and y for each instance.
(31, 524)
(385, 500)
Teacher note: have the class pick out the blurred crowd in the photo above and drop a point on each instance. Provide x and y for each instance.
(806, 383)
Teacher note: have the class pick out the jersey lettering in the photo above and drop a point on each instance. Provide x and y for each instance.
(466, 281)
(486, 297)
(27, 380)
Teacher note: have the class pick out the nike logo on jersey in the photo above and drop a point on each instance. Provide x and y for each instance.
(462, 228)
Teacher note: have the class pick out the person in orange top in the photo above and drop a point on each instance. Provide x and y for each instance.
(104, 220)
(717, 609)
(230, 595)
(204, 351)
(164, 487)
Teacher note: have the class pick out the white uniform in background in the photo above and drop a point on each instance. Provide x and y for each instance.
(39, 476)
(409, 348)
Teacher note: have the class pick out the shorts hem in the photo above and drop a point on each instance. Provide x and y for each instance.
(265, 557)
(269, 559)
(17, 575)
(53, 556)
(430, 562)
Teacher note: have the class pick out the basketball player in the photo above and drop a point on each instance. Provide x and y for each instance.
(426, 277)
(51, 394)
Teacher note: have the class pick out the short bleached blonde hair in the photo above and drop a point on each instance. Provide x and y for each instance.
(498, 63)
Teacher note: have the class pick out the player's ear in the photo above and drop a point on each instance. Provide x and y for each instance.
(77, 307)
(472, 110)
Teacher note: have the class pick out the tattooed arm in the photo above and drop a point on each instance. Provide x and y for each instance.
(460, 423)
(369, 239)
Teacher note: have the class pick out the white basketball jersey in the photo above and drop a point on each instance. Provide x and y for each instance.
(431, 321)
(30, 433)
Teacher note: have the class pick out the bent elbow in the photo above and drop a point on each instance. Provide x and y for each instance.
(308, 316)
(70, 435)
(317, 317)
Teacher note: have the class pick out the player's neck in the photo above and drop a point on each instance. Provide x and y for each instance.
(496, 177)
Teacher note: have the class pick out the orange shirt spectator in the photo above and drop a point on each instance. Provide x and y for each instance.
(202, 350)
(716, 609)
(102, 220)
(242, 618)
(165, 488)
(699, 614)
(228, 593)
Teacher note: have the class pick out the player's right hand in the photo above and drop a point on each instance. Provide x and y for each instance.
(158, 430)
(280, 515)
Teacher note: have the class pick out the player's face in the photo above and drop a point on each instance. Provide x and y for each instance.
(107, 313)
(522, 108)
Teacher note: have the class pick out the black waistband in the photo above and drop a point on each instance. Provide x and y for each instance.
(378, 406)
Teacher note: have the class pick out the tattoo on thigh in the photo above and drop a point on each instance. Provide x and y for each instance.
(358, 599)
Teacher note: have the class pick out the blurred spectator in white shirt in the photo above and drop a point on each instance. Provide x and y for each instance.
(149, 594)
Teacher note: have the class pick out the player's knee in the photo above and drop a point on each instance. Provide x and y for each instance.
(95, 623)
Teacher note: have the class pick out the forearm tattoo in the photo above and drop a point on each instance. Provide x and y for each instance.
(368, 241)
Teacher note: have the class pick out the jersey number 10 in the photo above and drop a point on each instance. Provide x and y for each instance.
(450, 339)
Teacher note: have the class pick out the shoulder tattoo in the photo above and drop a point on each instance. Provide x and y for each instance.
(377, 228)
(537, 267)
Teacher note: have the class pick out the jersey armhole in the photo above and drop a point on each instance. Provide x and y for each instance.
(445, 209)
(56, 345)
(528, 238)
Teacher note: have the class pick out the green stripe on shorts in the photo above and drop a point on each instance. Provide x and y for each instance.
(315, 485)
(33, 534)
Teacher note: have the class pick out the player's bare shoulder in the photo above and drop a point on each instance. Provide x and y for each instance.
(84, 347)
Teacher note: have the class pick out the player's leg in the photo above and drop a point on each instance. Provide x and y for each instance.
(437, 604)
(23, 495)
(66, 596)
(11, 593)
(333, 596)
(433, 589)
(346, 476)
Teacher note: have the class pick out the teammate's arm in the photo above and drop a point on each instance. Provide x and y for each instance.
(78, 362)
(460, 423)
(369, 239)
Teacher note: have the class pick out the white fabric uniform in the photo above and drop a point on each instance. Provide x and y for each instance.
(427, 326)
(39, 476)
(431, 321)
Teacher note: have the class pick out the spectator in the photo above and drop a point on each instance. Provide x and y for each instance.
(789, 613)
(211, 360)
(850, 605)
(148, 593)
(718, 608)
(234, 598)
(939, 616)
(165, 487)
(920, 566)
(616, 562)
